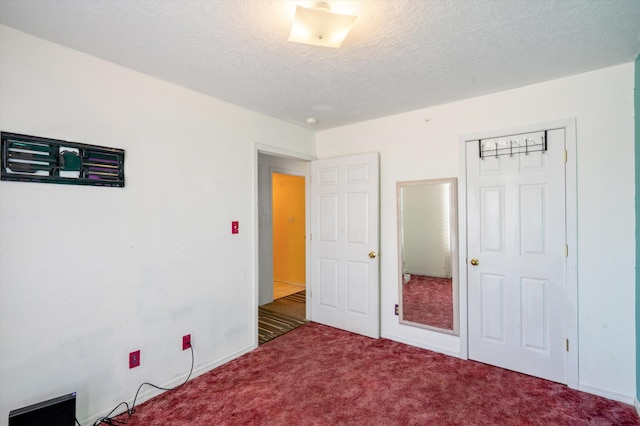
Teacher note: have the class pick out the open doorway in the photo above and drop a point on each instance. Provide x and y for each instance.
(282, 233)
(344, 197)
(288, 234)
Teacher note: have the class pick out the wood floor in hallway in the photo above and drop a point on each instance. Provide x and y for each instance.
(284, 289)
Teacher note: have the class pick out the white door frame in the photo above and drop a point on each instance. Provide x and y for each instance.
(278, 152)
(569, 126)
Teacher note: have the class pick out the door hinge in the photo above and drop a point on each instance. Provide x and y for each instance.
(565, 155)
(566, 250)
(567, 344)
(310, 236)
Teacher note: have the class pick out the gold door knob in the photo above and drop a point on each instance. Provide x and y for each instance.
(372, 254)
(474, 262)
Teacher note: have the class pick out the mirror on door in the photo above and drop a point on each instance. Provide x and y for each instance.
(428, 246)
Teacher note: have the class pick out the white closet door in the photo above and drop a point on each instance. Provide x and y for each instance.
(516, 232)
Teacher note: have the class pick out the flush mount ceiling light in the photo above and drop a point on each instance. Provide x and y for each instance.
(318, 26)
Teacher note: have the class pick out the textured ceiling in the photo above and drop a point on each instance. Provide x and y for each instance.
(401, 55)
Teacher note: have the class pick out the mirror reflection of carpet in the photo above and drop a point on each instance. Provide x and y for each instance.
(428, 300)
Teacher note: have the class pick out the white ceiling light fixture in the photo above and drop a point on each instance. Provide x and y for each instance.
(318, 26)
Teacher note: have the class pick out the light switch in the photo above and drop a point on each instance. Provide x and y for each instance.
(234, 227)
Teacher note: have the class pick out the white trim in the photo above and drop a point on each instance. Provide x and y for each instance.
(153, 392)
(307, 208)
(462, 253)
(421, 344)
(627, 399)
(271, 150)
(571, 214)
(527, 128)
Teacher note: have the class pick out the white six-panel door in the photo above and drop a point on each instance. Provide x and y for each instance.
(516, 232)
(344, 243)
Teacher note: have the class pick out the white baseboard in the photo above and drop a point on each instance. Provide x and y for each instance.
(420, 344)
(627, 399)
(153, 392)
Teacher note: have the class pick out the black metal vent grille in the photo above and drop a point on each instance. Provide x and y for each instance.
(34, 159)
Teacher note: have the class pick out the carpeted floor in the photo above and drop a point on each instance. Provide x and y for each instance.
(318, 375)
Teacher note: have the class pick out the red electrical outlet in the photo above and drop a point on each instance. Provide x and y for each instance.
(134, 359)
(235, 227)
(186, 342)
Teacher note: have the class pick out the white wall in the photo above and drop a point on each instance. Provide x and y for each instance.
(602, 102)
(88, 274)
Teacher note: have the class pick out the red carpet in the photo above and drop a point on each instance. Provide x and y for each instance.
(317, 375)
(428, 300)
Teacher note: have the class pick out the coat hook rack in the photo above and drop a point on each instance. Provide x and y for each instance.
(512, 145)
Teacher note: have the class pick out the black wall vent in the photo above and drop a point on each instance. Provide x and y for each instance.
(34, 159)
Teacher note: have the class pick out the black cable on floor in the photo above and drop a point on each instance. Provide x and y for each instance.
(130, 411)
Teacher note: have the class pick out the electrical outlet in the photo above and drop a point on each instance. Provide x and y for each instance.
(186, 342)
(397, 310)
(134, 359)
(235, 227)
